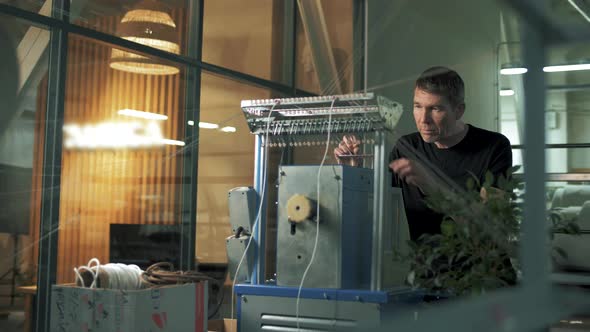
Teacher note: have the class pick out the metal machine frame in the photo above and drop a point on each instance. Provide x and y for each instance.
(370, 106)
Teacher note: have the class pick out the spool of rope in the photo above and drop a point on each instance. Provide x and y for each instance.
(300, 208)
(131, 277)
(111, 276)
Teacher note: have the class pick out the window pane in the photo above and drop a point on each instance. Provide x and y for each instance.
(161, 24)
(338, 17)
(121, 162)
(22, 124)
(40, 7)
(226, 160)
(567, 101)
(246, 36)
(567, 93)
(567, 118)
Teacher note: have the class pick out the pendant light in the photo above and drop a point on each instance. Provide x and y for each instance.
(149, 23)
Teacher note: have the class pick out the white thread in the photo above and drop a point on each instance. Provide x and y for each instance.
(88, 268)
(120, 276)
(317, 232)
(262, 196)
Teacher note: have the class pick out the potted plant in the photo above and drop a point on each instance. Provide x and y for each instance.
(478, 246)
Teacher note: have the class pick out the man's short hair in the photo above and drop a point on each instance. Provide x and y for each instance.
(444, 82)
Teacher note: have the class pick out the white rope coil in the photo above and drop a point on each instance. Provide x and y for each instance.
(112, 275)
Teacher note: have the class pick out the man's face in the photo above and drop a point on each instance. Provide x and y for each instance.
(435, 117)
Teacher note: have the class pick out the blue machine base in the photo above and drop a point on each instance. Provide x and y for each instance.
(272, 307)
(403, 294)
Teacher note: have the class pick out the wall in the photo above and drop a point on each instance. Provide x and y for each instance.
(567, 115)
(339, 25)
(237, 35)
(406, 37)
(102, 186)
(578, 109)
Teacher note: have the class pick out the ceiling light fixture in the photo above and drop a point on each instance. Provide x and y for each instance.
(514, 69)
(150, 24)
(141, 114)
(207, 125)
(113, 135)
(171, 142)
(228, 129)
(572, 67)
(506, 92)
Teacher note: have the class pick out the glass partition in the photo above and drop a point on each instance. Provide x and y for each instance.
(41, 7)
(22, 127)
(162, 24)
(332, 21)
(247, 36)
(121, 180)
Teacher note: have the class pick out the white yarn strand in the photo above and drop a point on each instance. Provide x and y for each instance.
(88, 268)
(258, 214)
(317, 232)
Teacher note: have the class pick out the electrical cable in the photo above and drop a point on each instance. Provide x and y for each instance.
(219, 302)
(317, 233)
(131, 277)
(156, 275)
(162, 273)
(258, 215)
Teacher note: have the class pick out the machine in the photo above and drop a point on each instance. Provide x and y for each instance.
(354, 277)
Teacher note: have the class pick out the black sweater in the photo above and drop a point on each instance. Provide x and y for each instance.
(481, 150)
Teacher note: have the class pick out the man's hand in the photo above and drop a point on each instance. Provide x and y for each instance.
(491, 193)
(412, 172)
(346, 151)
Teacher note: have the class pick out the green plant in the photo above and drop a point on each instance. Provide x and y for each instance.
(478, 244)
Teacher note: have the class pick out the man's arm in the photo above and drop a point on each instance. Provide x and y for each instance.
(500, 162)
(411, 171)
(501, 158)
(394, 155)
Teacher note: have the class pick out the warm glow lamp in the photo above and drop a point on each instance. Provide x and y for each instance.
(150, 24)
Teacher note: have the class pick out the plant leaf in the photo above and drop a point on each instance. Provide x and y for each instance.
(448, 227)
(489, 179)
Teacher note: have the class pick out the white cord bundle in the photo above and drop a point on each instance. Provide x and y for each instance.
(111, 276)
(317, 231)
(258, 215)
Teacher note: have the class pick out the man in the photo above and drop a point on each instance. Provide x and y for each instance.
(444, 152)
